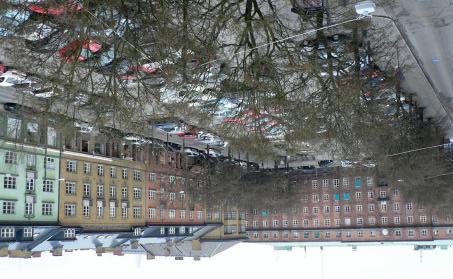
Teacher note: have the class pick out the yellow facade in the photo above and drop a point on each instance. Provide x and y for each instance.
(101, 193)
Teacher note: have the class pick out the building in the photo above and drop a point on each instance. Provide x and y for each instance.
(348, 207)
(101, 193)
(29, 171)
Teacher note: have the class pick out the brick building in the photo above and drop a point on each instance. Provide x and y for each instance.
(348, 206)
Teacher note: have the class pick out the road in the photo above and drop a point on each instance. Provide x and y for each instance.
(427, 27)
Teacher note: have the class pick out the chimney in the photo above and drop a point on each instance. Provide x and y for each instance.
(36, 254)
(57, 252)
(4, 251)
(179, 258)
(134, 244)
(19, 254)
(118, 251)
(196, 245)
(196, 258)
(150, 256)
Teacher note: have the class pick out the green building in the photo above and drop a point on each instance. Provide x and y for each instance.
(29, 170)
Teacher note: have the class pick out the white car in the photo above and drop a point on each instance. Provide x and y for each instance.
(346, 164)
(13, 78)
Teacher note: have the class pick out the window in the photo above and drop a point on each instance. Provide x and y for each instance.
(372, 233)
(137, 212)
(397, 220)
(87, 168)
(326, 209)
(138, 175)
(182, 196)
(423, 219)
(409, 206)
(86, 190)
(314, 184)
(182, 214)
(275, 223)
(124, 192)
(137, 193)
(171, 230)
(152, 194)
(346, 196)
(49, 163)
(327, 235)
(86, 210)
(30, 186)
(305, 210)
(358, 208)
(384, 220)
(46, 209)
(347, 221)
(315, 210)
(358, 196)
(315, 222)
(172, 179)
(112, 210)
(100, 190)
(410, 219)
(434, 220)
(47, 186)
(172, 196)
(325, 197)
(347, 208)
(100, 208)
(448, 219)
(410, 233)
(285, 223)
(357, 182)
(360, 234)
(51, 136)
(325, 183)
(315, 198)
(31, 161)
(28, 232)
(295, 222)
(100, 170)
(113, 172)
(383, 207)
(112, 191)
(370, 207)
(424, 232)
(71, 166)
(371, 221)
(359, 221)
(336, 183)
(7, 232)
(370, 194)
(337, 222)
(172, 213)
(200, 215)
(125, 174)
(9, 207)
(397, 232)
(327, 222)
(9, 182)
(69, 209)
(337, 208)
(265, 223)
(396, 207)
(70, 188)
(382, 194)
(152, 213)
(152, 177)
(396, 193)
(10, 157)
(124, 211)
(345, 182)
(13, 128)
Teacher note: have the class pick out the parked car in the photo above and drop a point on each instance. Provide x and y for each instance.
(325, 163)
(39, 34)
(14, 78)
(191, 152)
(80, 50)
(55, 9)
(186, 135)
(11, 20)
(346, 164)
(13, 107)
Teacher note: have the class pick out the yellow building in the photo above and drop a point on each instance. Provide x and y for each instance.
(101, 193)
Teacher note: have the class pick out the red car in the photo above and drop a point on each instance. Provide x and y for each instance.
(133, 72)
(187, 135)
(56, 10)
(3, 68)
(80, 50)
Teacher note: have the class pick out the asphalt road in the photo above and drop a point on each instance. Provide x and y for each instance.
(427, 27)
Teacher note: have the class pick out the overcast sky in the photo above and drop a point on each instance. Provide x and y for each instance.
(243, 261)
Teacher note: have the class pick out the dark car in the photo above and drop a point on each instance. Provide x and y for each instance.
(325, 163)
(11, 107)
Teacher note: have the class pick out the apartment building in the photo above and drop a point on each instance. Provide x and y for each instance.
(101, 193)
(29, 170)
(348, 206)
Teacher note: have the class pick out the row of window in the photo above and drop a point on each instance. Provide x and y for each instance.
(9, 207)
(152, 195)
(70, 210)
(340, 234)
(71, 166)
(16, 128)
(152, 214)
(346, 196)
(70, 189)
(27, 232)
(384, 220)
(345, 182)
(10, 182)
(11, 158)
